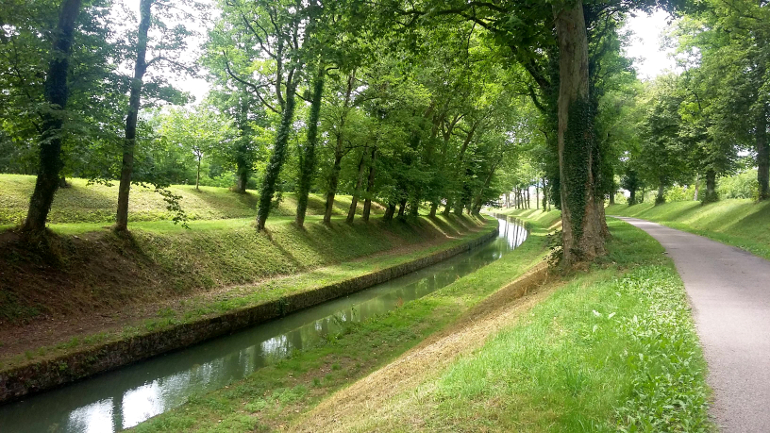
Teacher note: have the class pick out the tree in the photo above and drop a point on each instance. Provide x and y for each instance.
(168, 42)
(200, 131)
(52, 118)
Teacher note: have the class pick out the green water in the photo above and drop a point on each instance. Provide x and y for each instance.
(123, 398)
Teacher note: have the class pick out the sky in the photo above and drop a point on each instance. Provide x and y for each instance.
(645, 45)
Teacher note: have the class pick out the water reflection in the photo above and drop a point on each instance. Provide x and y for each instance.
(126, 397)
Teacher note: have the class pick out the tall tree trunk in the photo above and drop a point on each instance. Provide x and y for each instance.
(369, 187)
(198, 174)
(389, 211)
(242, 171)
(697, 186)
(711, 187)
(583, 228)
(612, 198)
(763, 156)
(529, 199)
(243, 159)
(660, 198)
(414, 207)
(56, 95)
(402, 208)
(537, 196)
(308, 159)
(357, 192)
(134, 101)
(277, 158)
(433, 209)
(545, 195)
(334, 178)
(447, 208)
(632, 196)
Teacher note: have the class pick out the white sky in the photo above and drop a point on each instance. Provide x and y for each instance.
(645, 47)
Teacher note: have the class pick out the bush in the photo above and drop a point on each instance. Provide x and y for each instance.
(741, 185)
(680, 193)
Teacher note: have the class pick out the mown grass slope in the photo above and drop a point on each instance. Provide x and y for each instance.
(613, 350)
(98, 271)
(275, 396)
(80, 203)
(738, 222)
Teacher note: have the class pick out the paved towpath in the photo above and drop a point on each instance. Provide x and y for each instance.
(729, 291)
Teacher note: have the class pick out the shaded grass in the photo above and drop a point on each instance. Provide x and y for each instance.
(98, 203)
(184, 267)
(738, 222)
(613, 350)
(278, 394)
(104, 271)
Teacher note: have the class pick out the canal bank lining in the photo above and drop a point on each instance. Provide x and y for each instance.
(20, 381)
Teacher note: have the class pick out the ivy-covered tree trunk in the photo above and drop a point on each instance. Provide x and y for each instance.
(583, 228)
(711, 187)
(357, 192)
(242, 171)
(307, 154)
(369, 187)
(56, 95)
(763, 156)
(134, 101)
(334, 178)
(545, 195)
(243, 157)
(277, 159)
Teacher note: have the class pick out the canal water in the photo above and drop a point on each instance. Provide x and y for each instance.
(125, 397)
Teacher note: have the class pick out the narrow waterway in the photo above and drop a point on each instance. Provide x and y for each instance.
(123, 398)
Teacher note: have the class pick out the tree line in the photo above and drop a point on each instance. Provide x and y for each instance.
(440, 105)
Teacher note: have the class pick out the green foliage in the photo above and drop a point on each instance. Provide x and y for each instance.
(741, 185)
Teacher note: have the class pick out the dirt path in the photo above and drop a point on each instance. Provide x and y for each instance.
(342, 411)
(729, 291)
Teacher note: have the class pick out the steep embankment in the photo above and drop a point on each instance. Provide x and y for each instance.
(613, 349)
(82, 203)
(103, 273)
(741, 223)
(274, 396)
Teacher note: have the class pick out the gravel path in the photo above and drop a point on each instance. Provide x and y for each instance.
(729, 291)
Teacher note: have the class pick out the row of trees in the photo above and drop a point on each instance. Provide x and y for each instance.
(711, 119)
(441, 104)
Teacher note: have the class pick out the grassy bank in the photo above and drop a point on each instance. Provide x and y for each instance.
(102, 271)
(80, 203)
(742, 223)
(132, 309)
(613, 350)
(275, 395)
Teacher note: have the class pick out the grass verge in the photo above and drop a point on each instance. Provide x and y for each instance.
(275, 395)
(740, 223)
(613, 350)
